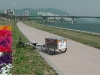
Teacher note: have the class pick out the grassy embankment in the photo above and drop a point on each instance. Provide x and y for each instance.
(25, 60)
(85, 38)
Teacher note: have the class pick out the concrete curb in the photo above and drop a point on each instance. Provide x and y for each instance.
(50, 63)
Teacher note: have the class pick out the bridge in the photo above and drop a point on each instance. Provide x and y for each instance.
(45, 17)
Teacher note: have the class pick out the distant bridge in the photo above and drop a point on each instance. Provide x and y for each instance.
(45, 17)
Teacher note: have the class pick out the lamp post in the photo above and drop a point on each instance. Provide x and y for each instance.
(14, 14)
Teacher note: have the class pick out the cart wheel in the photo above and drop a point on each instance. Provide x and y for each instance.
(63, 50)
(50, 49)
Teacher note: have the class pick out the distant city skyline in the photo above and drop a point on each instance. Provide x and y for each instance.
(74, 7)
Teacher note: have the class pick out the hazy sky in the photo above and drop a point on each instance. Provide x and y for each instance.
(74, 7)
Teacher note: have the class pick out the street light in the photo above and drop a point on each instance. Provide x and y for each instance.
(14, 14)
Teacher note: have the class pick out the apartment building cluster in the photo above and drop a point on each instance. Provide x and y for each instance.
(51, 14)
(9, 12)
(26, 13)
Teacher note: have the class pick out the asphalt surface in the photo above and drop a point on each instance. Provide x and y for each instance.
(79, 59)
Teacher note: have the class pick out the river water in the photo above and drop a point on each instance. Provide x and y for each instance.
(90, 27)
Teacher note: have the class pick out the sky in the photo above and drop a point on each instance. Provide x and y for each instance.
(74, 7)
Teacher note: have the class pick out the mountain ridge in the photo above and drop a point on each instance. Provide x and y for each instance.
(45, 10)
(35, 11)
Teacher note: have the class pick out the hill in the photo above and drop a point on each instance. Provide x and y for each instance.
(35, 11)
(45, 10)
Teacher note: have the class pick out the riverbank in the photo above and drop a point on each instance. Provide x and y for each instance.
(78, 59)
(83, 37)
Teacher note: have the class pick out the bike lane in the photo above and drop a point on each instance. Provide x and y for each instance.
(80, 59)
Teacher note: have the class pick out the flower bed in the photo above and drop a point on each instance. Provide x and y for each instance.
(5, 50)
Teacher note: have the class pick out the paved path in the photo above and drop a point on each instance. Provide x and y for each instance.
(80, 59)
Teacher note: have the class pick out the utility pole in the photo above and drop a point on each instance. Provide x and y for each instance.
(14, 14)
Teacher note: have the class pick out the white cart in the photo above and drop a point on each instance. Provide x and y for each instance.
(52, 44)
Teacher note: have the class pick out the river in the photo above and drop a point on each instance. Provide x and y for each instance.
(90, 27)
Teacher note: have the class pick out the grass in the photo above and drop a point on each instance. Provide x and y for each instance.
(27, 61)
(83, 37)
